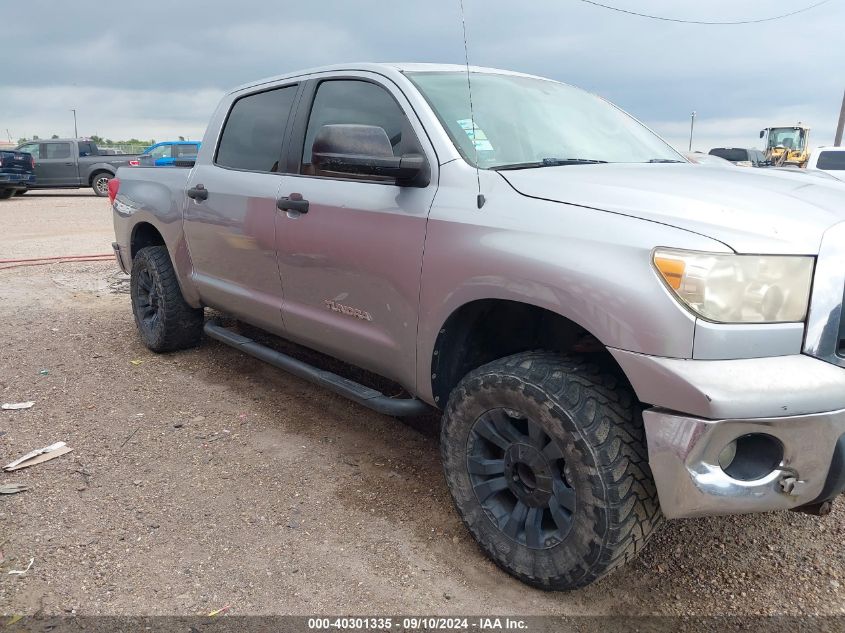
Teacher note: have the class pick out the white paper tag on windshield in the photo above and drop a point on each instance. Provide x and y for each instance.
(476, 135)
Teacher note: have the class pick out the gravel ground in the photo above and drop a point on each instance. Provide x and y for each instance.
(206, 478)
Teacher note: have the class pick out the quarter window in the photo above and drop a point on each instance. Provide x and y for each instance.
(57, 150)
(253, 135)
(353, 102)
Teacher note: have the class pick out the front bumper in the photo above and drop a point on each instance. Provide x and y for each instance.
(684, 458)
(700, 406)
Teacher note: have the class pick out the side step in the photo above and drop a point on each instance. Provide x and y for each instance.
(370, 398)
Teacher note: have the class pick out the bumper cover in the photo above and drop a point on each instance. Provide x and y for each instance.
(684, 458)
(22, 180)
(771, 387)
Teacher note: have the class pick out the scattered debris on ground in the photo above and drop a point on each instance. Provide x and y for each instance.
(12, 489)
(38, 456)
(16, 406)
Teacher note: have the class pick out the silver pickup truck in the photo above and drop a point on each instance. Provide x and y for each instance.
(613, 335)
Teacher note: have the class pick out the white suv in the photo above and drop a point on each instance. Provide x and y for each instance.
(828, 159)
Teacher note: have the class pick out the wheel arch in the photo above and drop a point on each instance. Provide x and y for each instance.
(484, 330)
(96, 171)
(144, 234)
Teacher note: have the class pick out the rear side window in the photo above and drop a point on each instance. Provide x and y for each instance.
(833, 161)
(253, 134)
(729, 153)
(355, 102)
(56, 150)
(184, 150)
(86, 149)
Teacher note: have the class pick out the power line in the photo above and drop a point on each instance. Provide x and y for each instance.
(664, 19)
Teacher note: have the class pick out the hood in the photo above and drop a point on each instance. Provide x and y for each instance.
(751, 210)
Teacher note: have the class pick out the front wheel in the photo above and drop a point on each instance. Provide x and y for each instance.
(546, 461)
(165, 321)
(20, 192)
(5, 194)
(100, 183)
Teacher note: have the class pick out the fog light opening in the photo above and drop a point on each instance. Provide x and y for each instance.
(726, 457)
(751, 456)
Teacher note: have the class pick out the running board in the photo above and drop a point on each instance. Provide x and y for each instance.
(357, 392)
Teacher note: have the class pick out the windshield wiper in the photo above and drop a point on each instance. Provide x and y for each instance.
(665, 160)
(549, 162)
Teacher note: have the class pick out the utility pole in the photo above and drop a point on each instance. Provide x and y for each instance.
(691, 127)
(841, 126)
(75, 133)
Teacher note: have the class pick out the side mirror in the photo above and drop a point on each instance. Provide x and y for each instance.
(762, 133)
(365, 150)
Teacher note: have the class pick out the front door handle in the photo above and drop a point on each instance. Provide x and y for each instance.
(294, 202)
(197, 193)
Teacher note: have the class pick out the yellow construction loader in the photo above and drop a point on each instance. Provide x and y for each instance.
(787, 145)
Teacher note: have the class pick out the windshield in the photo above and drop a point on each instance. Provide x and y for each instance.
(790, 137)
(535, 122)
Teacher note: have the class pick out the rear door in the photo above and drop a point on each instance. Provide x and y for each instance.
(56, 165)
(231, 231)
(351, 264)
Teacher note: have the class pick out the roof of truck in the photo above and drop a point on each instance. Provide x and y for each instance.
(384, 68)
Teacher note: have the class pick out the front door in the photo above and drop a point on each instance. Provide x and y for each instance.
(230, 220)
(351, 264)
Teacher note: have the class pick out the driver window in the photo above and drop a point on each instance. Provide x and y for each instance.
(161, 152)
(354, 102)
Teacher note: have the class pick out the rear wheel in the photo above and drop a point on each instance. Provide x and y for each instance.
(20, 192)
(166, 322)
(100, 183)
(5, 194)
(545, 457)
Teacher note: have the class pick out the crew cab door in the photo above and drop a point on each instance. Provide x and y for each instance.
(55, 163)
(230, 213)
(351, 263)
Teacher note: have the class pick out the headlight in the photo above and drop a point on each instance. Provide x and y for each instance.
(738, 288)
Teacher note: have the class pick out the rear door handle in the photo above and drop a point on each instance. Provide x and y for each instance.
(293, 203)
(197, 193)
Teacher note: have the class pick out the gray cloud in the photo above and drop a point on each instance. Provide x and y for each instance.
(155, 69)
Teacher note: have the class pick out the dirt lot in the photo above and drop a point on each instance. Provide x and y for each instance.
(205, 478)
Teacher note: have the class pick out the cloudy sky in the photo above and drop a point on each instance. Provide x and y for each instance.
(155, 69)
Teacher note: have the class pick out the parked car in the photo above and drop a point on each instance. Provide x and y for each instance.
(167, 153)
(830, 160)
(711, 160)
(612, 334)
(17, 173)
(69, 163)
(744, 157)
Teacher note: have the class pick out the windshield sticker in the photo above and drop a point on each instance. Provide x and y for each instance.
(476, 135)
